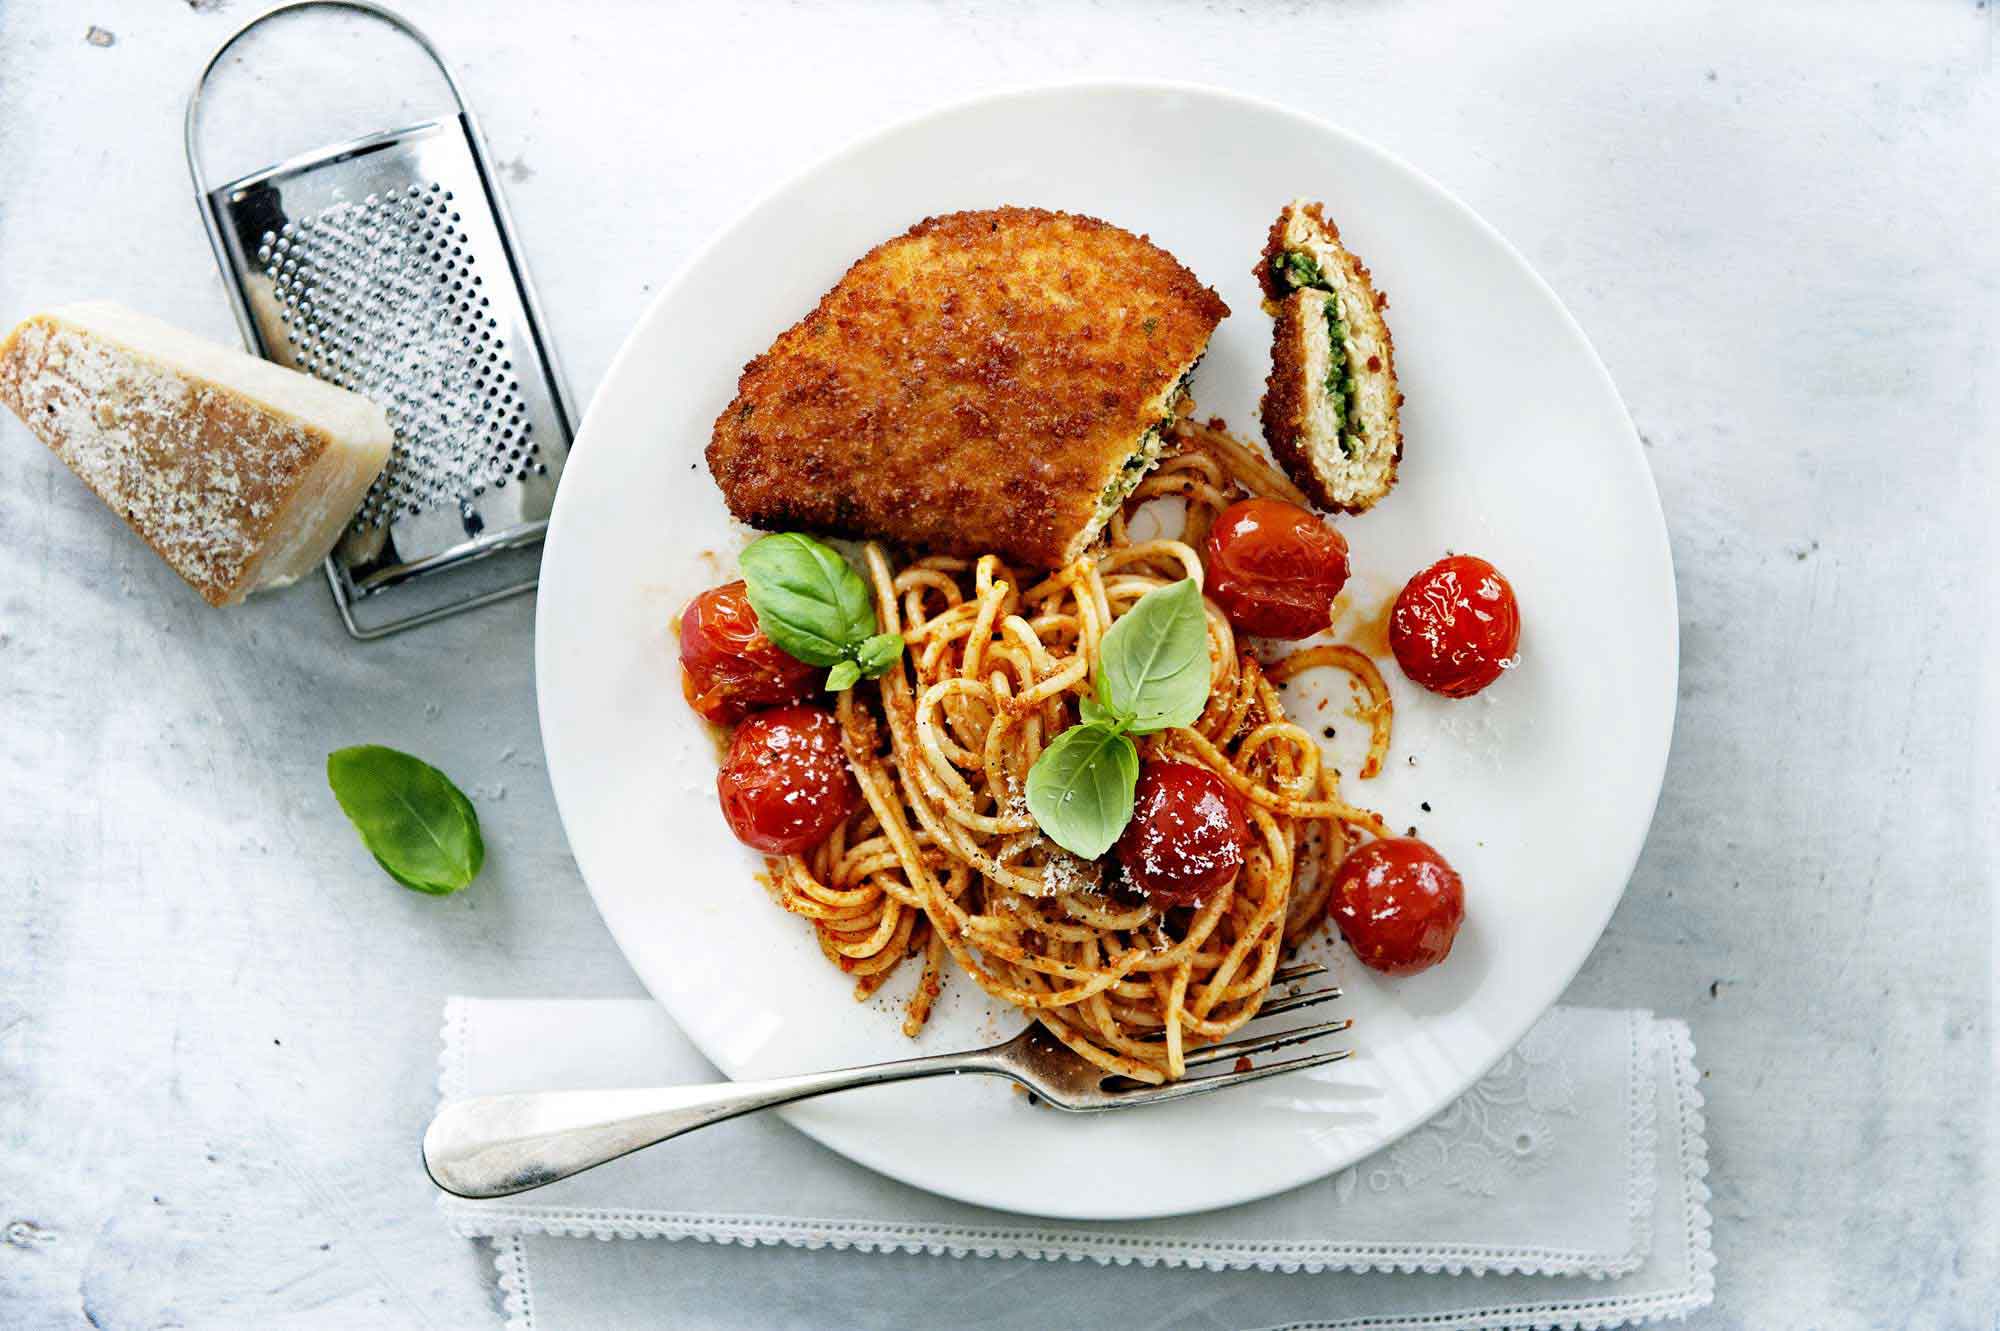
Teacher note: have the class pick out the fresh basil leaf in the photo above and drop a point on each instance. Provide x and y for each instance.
(842, 677)
(1080, 789)
(419, 827)
(808, 599)
(1096, 713)
(879, 653)
(1154, 665)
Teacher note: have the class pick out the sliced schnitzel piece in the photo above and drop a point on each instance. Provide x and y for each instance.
(988, 381)
(1331, 403)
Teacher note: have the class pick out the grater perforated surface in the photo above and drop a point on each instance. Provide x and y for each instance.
(379, 265)
(385, 296)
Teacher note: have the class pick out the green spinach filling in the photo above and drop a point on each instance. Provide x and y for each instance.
(1298, 269)
(1151, 444)
(1340, 378)
(1130, 473)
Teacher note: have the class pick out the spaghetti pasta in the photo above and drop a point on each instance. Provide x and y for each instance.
(943, 860)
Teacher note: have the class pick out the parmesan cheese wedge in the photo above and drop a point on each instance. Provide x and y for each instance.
(239, 473)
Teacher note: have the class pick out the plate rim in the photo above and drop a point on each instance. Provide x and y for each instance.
(1657, 540)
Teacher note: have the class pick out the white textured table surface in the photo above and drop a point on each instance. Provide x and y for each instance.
(218, 1022)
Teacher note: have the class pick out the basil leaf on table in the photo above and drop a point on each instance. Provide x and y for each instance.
(1080, 790)
(419, 827)
(815, 607)
(1154, 667)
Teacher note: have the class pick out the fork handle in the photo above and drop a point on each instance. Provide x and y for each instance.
(497, 1145)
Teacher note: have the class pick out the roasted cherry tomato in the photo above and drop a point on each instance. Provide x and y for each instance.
(729, 668)
(1455, 627)
(1274, 568)
(1398, 905)
(785, 784)
(1187, 834)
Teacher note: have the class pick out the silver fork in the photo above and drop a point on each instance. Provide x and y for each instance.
(496, 1145)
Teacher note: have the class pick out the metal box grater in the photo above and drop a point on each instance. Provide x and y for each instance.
(387, 265)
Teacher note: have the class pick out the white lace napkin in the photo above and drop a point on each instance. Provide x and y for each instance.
(1565, 1189)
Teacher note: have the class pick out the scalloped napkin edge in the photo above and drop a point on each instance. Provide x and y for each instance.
(1562, 1138)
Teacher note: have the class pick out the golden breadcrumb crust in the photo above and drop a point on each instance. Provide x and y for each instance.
(969, 386)
(1268, 281)
(1287, 390)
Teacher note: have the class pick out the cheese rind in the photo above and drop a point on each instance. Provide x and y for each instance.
(241, 474)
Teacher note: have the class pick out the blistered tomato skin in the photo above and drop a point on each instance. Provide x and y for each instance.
(785, 785)
(1274, 568)
(1398, 905)
(729, 668)
(1187, 834)
(1456, 626)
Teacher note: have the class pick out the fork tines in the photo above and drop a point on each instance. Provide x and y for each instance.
(1293, 1002)
(1265, 1044)
(1232, 1050)
(1278, 1006)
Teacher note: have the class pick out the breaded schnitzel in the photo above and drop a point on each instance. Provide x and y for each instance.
(987, 381)
(1331, 404)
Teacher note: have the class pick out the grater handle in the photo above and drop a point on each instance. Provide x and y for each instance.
(193, 122)
(191, 126)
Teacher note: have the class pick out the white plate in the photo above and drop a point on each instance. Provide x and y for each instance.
(1518, 449)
